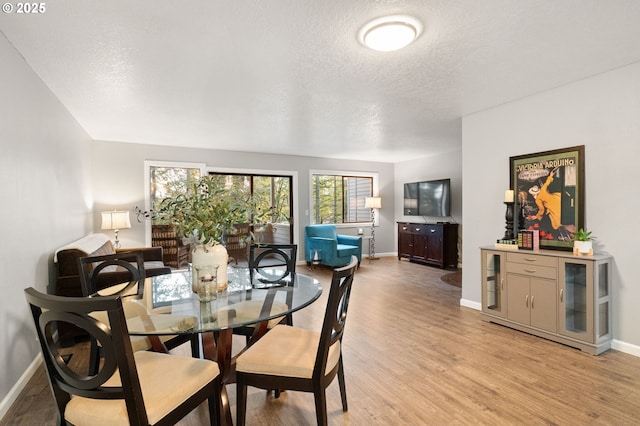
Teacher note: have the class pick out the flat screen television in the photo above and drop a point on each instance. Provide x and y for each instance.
(428, 198)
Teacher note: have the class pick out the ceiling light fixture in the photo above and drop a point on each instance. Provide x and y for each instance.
(390, 33)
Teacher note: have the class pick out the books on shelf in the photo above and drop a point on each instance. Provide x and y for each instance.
(529, 239)
(507, 244)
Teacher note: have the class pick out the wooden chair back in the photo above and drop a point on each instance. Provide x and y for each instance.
(48, 311)
(123, 267)
(335, 317)
(272, 263)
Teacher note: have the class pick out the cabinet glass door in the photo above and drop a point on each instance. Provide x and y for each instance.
(493, 277)
(576, 299)
(575, 306)
(603, 300)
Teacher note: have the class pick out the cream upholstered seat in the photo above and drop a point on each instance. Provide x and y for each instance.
(162, 392)
(139, 389)
(287, 351)
(290, 358)
(250, 309)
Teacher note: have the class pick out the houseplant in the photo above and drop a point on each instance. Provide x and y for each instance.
(201, 214)
(582, 243)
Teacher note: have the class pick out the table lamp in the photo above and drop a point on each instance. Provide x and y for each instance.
(116, 220)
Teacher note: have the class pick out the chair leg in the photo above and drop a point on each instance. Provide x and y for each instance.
(341, 382)
(241, 403)
(320, 397)
(195, 345)
(94, 358)
(214, 406)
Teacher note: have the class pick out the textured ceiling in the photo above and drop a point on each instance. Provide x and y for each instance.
(289, 76)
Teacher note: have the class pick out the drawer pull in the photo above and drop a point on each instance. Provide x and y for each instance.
(530, 271)
(417, 229)
(530, 259)
(433, 230)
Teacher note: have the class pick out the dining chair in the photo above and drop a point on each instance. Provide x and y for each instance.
(291, 358)
(138, 388)
(272, 263)
(127, 280)
(270, 266)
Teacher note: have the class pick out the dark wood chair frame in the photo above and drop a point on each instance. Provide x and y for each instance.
(332, 331)
(280, 255)
(133, 262)
(47, 310)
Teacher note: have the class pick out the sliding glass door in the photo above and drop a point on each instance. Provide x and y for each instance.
(272, 198)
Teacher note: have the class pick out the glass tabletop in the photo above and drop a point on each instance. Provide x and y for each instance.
(169, 306)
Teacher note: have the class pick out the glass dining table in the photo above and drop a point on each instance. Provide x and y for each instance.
(169, 307)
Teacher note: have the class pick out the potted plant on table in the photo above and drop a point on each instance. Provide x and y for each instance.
(201, 214)
(582, 243)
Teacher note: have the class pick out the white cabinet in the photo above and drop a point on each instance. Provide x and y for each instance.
(551, 294)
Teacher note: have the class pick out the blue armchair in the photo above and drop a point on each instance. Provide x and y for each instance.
(336, 249)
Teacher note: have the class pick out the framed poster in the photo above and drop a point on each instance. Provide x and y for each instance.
(549, 195)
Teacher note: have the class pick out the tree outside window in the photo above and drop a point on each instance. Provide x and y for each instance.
(340, 199)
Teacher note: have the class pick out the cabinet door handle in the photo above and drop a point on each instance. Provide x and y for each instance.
(502, 283)
(433, 230)
(532, 302)
(417, 229)
(562, 295)
(526, 301)
(531, 271)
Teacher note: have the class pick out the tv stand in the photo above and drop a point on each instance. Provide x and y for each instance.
(433, 244)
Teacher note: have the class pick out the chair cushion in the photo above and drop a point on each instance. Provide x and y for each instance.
(346, 250)
(166, 382)
(249, 309)
(286, 351)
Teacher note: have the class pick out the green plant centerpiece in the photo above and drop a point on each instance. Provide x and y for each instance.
(201, 214)
(582, 243)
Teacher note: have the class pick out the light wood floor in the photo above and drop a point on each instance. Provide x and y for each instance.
(413, 356)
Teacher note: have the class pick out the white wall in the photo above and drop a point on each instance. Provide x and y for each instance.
(45, 192)
(119, 181)
(602, 113)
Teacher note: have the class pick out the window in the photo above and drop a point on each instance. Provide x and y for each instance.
(169, 181)
(338, 198)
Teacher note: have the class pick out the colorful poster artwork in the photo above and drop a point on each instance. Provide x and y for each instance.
(549, 195)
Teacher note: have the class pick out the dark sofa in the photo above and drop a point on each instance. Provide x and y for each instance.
(67, 281)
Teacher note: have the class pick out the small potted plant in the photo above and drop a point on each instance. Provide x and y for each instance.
(582, 243)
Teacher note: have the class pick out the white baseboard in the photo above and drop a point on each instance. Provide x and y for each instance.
(471, 304)
(625, 347)
(14, 392)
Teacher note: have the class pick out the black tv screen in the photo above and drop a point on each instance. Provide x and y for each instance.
(428, 198)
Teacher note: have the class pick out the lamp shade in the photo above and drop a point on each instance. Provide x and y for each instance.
(373, 202)
(115, 220)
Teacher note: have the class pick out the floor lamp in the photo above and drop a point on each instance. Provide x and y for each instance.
(116, 220)
(373, 203)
